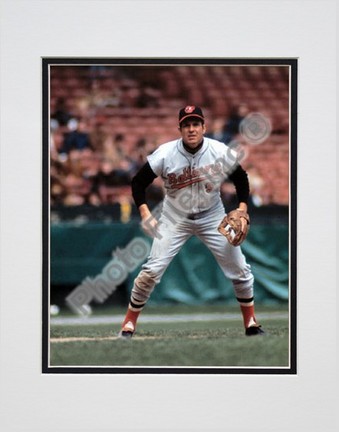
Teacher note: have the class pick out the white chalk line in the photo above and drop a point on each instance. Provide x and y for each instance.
(94, 320)
(113, 338)
(117, 319)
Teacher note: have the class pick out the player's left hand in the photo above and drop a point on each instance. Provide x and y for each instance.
(235, 226)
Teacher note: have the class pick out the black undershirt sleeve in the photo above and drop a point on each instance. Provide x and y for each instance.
(240, 180)
(143, 178)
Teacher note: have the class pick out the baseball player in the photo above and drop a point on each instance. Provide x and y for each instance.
(193, 169)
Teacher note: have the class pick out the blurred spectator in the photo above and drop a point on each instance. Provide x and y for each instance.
(97, 72)
(114, 151)
(76, 190)
(140, 152)
(238, 113)
(109, 181)
(218, 131)
(256, 186)
(57, 175)
(101, 93)
(56, 143)
(112, 148)
(142, 148)
(89, 163)
(61, 113)
(97, 95)
(148, 98)
(78, 138)
(98, 135)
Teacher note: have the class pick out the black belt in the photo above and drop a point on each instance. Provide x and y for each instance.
(194, 216)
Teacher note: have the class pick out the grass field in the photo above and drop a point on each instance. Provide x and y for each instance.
(172, 336)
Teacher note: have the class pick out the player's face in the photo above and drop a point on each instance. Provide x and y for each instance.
(192, 132)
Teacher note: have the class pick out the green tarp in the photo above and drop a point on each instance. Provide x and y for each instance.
(193, 277)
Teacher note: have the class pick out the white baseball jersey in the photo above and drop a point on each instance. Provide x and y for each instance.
(192, 181)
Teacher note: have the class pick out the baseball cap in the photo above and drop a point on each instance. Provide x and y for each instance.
(190, 111)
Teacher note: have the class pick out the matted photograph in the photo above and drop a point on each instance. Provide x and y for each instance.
(169, 215)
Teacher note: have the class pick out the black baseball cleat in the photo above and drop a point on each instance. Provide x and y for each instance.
(125, 334)
(127, 331)
(254, 330)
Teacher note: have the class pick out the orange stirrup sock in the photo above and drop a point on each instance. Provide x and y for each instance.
(131, 316)
(247, 310)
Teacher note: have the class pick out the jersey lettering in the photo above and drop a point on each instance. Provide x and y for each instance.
(189, 176)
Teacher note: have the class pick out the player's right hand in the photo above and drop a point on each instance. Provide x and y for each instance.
(149, 225)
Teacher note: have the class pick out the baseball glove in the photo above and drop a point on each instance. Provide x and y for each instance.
(235, 226)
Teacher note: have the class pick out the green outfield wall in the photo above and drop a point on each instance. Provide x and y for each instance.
(78, 251)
